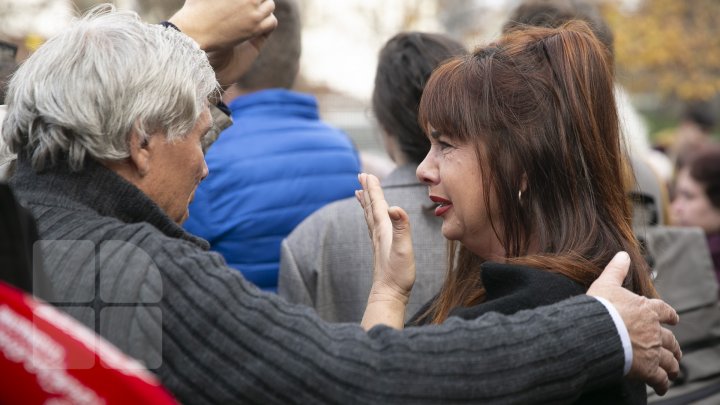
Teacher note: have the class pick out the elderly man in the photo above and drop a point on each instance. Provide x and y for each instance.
(108, 119)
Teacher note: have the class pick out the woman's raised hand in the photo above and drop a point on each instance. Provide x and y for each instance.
(394, 260)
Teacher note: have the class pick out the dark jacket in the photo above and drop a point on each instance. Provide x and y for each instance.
(18, 235)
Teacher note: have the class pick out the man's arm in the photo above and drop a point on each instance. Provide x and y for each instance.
(239, 344)
(230, 31)
(224, 341)
(218, 339)
(221, 24)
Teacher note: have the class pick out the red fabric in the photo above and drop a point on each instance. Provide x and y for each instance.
(45, 354)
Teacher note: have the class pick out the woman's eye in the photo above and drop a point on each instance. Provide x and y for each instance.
(444, 145)
(685, 195)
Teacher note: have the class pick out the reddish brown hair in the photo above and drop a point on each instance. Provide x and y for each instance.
(539, 107)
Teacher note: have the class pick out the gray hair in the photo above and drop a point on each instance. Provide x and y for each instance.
(85, 90)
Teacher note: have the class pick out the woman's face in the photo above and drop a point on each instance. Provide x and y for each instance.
(691, 206)
(454, 178)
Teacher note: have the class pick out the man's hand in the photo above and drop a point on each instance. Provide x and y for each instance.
(656, 352)
(231, 64)
(219, 25)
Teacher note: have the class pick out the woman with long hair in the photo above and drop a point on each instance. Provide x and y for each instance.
(526, 170)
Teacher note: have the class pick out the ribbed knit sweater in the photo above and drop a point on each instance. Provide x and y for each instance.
(122, 267)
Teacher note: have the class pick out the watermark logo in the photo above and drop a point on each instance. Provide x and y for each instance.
(114, 288)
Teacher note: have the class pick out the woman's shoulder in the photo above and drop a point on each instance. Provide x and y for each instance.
(511, 288)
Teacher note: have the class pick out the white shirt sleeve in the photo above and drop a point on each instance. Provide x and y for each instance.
(622, 331)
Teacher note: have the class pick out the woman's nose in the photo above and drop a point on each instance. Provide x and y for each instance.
(427, 171)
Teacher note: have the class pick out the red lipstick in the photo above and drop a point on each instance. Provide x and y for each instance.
(444, 206)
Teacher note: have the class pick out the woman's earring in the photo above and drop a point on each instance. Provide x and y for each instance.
(520, 195)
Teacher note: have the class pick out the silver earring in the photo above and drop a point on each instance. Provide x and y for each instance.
(520, 195)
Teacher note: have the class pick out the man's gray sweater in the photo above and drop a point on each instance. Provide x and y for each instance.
(121, 266)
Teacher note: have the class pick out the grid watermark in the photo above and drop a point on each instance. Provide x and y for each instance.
(114, 288)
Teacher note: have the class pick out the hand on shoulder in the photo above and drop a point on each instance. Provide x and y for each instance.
(656, 352)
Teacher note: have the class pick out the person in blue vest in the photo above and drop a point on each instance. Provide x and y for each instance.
(275, 165)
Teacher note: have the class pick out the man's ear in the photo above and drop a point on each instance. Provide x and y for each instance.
(140, 153)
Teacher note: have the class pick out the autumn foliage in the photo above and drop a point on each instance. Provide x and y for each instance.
(669, 47)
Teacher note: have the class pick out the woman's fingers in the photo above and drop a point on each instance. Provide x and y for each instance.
(376, 197)
(372, 199)
(363, 198)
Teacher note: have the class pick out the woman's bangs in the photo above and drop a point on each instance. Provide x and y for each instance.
(441, 105)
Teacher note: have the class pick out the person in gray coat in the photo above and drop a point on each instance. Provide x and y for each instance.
(326, 262)
(108, 120)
